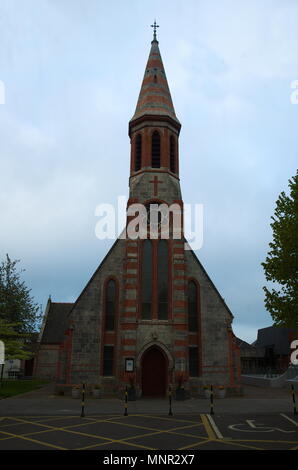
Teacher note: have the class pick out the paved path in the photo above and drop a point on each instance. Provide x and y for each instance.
(150, 432)
(262, 419)
(44, 402)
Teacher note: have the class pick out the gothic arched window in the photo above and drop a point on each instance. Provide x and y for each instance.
(192, 296)
(138, 152)
(162, 279)
(155, 150)
(110, 305)
(146, 294)
(172, 155)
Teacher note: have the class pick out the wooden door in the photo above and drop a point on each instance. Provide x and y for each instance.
(154, 373)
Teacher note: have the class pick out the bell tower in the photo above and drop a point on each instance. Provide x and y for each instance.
(154, 305)
(154, 134)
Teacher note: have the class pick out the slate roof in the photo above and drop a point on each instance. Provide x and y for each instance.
(56, 322)
(276, 337)
(243, 344)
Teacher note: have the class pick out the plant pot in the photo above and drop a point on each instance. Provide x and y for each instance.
(96, 392)
(180, 394)
(131, 394)
(221, 393)
(75, 393)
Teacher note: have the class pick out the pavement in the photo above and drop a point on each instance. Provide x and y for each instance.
(43, 402)
(262, 419)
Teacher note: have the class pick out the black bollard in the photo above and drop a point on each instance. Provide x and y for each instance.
(294, 400)
(83, 402)
(125, 403)
(170, 401)
(211, 400)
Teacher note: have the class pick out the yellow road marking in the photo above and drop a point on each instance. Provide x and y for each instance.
(129, 444)
(155, 431)
(125, 440)
(189, 446)
(231, 442)
(33, 440)
(37, 423)
(56, 418)
(52, 428)
(208, 428)
(129, 425)
(195, 444)
(109, 440)
(91, 418)
(214, 427)
(49, 428)
(168, 431)
(159, 417)
(149, 429)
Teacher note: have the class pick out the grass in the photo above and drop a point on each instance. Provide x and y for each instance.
(10, 388)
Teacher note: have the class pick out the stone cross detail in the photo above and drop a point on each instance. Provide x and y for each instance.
(156, 182)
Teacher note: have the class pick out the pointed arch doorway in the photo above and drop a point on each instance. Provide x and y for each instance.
(154, 373)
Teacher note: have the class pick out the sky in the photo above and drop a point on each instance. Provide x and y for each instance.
(72, 71)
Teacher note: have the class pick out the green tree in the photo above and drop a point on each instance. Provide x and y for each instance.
(281, 265)
(16, 304)
(14, 343)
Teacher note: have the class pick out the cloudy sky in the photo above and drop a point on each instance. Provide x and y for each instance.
(72, 71)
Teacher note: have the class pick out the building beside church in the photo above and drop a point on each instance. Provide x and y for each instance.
(150, 314)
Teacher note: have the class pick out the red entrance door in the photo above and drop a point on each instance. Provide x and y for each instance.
(154, 373)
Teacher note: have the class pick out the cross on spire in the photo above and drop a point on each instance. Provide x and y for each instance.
(154, 26)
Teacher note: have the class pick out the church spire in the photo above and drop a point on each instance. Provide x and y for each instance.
(155, 97)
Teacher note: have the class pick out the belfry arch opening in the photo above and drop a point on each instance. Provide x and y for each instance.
(155, 150)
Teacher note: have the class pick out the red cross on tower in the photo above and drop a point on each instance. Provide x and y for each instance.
(156, 182)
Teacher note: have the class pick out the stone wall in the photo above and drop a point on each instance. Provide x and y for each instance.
(216, 354)
(85, 320)
(47, 361)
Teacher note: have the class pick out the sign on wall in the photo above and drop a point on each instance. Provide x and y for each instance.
(129, 364)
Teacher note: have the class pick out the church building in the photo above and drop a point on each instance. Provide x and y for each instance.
(150, 315)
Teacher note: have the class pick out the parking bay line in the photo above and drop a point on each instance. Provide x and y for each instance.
(289, 419)
(107, 439)
(214, 427)
(174, 431)
(46, 444)
(68, 429)
(208, 428)
(163, 418)
(125, 440)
